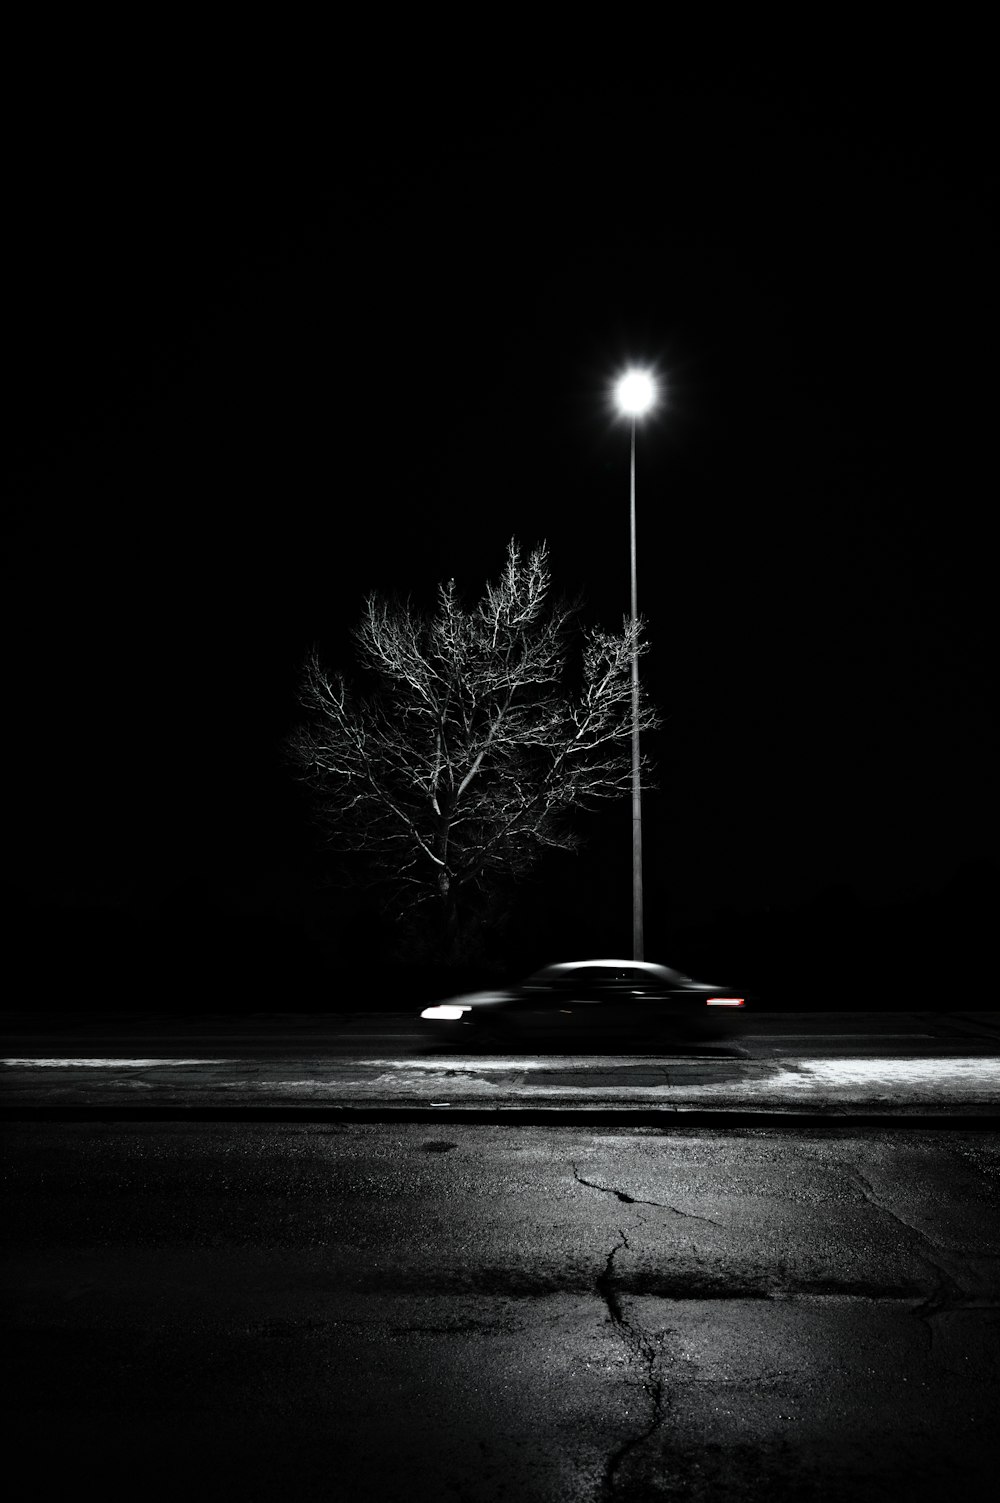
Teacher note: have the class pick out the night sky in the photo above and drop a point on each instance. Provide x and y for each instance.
(263, 360)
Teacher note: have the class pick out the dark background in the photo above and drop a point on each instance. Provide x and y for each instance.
(268, 350)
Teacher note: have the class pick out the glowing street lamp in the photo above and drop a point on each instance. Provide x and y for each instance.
(635, 395)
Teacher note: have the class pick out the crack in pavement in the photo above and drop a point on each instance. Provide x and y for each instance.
(634, 1200)
(947, 1294)
(643, 1352)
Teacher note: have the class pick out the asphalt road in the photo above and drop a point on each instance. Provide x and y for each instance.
(844, 1063)
(234, 1310)
(755, 1035)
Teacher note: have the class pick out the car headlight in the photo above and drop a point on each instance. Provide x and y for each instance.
(447, 1012)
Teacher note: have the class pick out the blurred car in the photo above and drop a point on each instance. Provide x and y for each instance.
(589, 998)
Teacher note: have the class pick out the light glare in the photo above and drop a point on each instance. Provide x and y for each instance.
(635, 392)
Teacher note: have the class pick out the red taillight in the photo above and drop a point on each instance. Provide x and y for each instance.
(724, 1002)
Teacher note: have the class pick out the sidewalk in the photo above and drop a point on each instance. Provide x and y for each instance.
(963, 1087)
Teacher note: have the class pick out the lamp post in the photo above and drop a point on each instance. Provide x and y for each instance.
(635, 394)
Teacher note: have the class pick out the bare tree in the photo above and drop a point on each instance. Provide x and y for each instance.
(485, 731)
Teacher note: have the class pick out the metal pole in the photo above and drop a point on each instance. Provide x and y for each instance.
(636, 787)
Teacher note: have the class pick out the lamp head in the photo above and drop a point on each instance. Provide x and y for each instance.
(635, 393)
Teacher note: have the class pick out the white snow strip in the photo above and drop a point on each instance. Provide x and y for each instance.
(109, 1064)
(862, 1069)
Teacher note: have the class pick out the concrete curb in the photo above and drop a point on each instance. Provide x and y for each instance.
(975, 1119)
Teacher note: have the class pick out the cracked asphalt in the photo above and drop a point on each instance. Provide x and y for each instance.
(456, 1311)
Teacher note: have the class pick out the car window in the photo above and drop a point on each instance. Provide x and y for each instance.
(601, 975)
(606, 975)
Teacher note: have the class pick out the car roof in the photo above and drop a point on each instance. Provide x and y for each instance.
(631, 965)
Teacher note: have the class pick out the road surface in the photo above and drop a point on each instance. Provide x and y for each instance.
(234, 1310)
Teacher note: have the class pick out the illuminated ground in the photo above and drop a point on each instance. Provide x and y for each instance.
(393, 1312)
(840, 1063)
